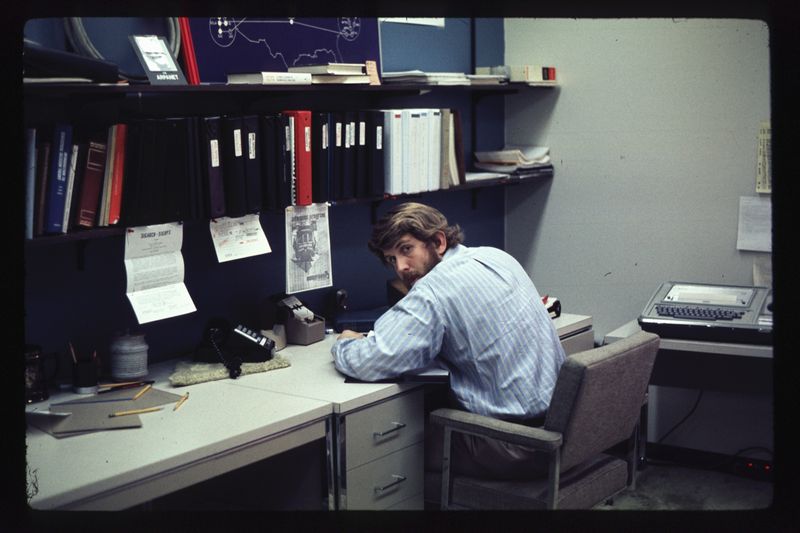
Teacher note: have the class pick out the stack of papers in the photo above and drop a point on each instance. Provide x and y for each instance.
(487, 79)
(426, 78)
(513, 159)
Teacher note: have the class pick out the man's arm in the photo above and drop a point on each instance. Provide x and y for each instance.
(406, 337)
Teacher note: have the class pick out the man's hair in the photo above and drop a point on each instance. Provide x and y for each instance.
(419, 220)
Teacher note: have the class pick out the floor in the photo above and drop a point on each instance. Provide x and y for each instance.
(673, 487)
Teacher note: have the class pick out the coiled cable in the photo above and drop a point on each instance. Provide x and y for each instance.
(82, 44)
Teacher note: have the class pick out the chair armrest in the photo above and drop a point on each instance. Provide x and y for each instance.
(465, 422)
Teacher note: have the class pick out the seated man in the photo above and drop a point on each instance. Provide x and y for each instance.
(476, 311)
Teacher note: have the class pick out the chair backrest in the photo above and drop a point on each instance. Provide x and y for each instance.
(599, 394)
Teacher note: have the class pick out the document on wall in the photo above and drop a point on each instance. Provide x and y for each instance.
(154, 269)
(764, 161)
(237, 238)
(755, 224)
(308, 248)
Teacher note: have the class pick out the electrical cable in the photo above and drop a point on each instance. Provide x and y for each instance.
(82, 44)
(691, 412)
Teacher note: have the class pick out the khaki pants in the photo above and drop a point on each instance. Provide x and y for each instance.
(481, 457)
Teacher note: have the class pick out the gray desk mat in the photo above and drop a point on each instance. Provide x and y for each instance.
(91, 413)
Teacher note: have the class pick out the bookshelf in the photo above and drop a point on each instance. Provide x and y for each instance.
(93, 103)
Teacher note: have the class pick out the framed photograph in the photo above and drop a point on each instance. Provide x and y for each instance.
(159, 64)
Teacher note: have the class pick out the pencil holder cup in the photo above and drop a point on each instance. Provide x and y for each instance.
(84, 377)
(128, 357)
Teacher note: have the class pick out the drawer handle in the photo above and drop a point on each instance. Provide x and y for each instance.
(397, 480)
(397, 426)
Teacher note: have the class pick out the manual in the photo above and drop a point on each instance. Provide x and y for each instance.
(343, 69)
(270, 78)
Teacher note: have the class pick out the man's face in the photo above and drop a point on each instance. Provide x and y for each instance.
(412, 258)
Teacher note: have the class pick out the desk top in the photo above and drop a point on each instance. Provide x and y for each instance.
(218, 417)
(685, 345)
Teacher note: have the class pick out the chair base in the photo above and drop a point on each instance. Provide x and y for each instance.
(582, 487)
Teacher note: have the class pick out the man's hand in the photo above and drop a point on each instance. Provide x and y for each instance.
(350, 334)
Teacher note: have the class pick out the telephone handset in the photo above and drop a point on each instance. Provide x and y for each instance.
(233, 346)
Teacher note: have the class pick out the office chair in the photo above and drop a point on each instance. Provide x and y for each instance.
(595, 407)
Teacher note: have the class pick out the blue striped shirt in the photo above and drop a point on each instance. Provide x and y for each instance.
(478, 313)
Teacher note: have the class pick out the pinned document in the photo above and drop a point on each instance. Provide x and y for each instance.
(154, 269)
(237, 238)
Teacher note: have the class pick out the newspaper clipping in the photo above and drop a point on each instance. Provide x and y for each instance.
(308, 248)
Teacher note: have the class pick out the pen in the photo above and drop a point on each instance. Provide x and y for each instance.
(145, 389)
(110, 387)
(180, 402)
(135, 411)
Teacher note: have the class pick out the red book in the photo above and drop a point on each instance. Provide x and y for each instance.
(302, 154)
(187, 50)
(117, 175)
(93, 174)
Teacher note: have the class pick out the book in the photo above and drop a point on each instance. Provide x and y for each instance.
(108, 172)
(434, 149)
(42, 171)
(93, 173)
(375, 148)
(188, 53)
(272, 149)
(361, 189)
(447, 151)
(331, 68)
(73, 163)
(320, 156)
(458, 145)
(213, 184)
(393, 151)
(302, 186)
(77, 187)
(233, 150)
(57, 178)
(335, 78)
(531, 74)
(118, 175)
(286, 177)
(270, 78)
(347, 176)
(336, 154)
(252, 163)
(30, 180)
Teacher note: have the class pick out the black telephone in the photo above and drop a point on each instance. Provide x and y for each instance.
(233, 346)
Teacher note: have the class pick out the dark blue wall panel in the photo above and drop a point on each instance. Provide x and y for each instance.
(88, 306)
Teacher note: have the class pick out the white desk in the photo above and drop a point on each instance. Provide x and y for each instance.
(221, 427)
(227, 424)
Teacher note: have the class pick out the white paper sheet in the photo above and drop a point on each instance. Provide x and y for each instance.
(755, 224)
(237, 238)
(155, 270)
(308, 248)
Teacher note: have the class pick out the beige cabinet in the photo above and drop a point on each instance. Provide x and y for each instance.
(380, 454)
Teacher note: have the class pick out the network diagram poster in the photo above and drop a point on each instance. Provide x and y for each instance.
(226, 45)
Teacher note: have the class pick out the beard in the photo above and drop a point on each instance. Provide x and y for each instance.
(411, 277)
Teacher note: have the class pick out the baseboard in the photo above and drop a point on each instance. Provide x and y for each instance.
(738, 465)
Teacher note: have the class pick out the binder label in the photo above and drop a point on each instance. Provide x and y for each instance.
(307, 135)
(237, 142)
(379, 137)
(362, 133)
(213, 146)
(251, 145)
(324, 136)
(338, 134)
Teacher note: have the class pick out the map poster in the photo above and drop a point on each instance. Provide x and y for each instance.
(225, 45)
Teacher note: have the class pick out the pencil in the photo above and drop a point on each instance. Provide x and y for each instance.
(180, 402)
(145, 389)
(135, 411)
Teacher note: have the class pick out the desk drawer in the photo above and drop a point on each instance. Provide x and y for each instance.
(387, 481)
(384, 428)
